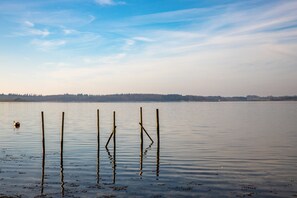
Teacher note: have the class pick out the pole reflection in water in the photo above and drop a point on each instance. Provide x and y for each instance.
(42, 176)
(98, 162)
(62, 175)
(141, 158)
(158, 161)
(142, 155)
(113, 162)
(114, 168)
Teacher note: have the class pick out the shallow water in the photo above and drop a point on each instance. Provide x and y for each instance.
(206, 150)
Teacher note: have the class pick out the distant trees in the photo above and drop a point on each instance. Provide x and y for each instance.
(135, 98)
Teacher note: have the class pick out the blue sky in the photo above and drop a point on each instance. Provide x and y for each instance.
(206, 47)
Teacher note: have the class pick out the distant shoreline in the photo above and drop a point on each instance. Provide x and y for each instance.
(138, 98)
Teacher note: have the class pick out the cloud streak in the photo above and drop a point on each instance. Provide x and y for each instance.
(46, 45)
(109, 2)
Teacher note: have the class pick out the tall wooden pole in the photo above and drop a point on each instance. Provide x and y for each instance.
(158, 127)
(43, 153)
(62, 134)
(98, 128)
(114, 146)
(158, 144)
(141, 124)
(43, 139)
(141, 142)
(98, 147)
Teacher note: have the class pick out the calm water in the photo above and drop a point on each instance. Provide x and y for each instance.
(207, 150)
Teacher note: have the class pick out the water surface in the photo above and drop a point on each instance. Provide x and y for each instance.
(225, 149)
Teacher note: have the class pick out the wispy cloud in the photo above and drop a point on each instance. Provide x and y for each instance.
(69, 31)
(109, 2)
(29, 24)
(48, 44)
(43, 33)
(142, 38)
(105, 59)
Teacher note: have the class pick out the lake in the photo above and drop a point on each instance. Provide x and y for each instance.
(220, 149)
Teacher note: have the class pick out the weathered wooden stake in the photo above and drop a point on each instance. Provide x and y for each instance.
(146, 133)
(141, 124)
(98, 147)
(98, 128)
(109, 139)
(43, 152)
(158, 127)
(114, 147)
(114, 133)
(62, 134)
(43, 139)
(158, 144)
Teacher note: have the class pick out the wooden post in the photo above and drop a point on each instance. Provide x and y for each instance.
(98, 147)
(146, 133)
(62, 134)
(109, 139)
(158, 144)
(43, 140)
(141, 142)
(114, 131)
(98, 128)
(114, 147)
(43, 152)
(158, 127)
(141, 124)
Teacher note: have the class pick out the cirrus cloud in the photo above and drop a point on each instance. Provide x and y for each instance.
(109, 2)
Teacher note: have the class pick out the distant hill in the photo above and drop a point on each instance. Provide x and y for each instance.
(136, 98)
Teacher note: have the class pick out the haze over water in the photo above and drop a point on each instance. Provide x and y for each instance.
(207, 149)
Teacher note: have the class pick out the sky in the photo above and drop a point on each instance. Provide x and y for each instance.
(196, 47)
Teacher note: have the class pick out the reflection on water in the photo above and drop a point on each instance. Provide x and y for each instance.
(207, 150)
(62, 174)
(158, 161)
(98, 161)
(42, 174)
